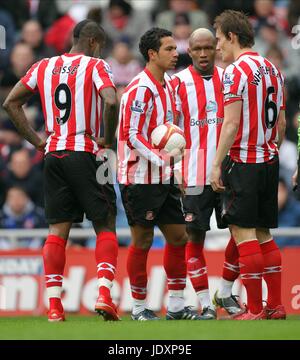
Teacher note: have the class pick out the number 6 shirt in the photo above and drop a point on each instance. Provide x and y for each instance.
(259, 85)
(69, 87)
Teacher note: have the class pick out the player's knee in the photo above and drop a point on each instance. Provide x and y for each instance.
(179, 239)
(144, 241)
(263, 235)
(196, 236)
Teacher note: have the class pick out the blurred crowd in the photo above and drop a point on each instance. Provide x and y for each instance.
(42, 28)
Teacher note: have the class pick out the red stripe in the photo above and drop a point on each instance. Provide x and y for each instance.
(262, 116)
(88, 96)
(272, 140)
(56, 127)
(236, 147)
(25, 79)
(253, 114)
(217, 82)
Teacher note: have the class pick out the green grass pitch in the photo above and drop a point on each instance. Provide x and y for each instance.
(94, 328)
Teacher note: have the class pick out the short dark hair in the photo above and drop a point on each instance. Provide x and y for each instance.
(238, 23)
(151, 40)
(88, 29)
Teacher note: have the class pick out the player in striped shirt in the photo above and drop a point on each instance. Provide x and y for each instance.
(199, 102)
(253, 129)
(148, 101)
(73, 88)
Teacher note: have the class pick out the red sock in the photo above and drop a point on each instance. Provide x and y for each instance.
(106, 254)
(54, 255)
(272, 272)
(196, 265)
(251, 268)
(137, 271)
(231, 269)
(175, 266)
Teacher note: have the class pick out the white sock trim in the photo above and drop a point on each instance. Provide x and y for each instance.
(105, 282)
(225, 288)
(204, 299)
(138, 306)
(176, 293)
(54, 292)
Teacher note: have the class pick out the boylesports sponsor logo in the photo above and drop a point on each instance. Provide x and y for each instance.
(205, 122)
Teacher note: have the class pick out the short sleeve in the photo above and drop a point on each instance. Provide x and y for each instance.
(233, 84)
(102, 75)
(30, 79)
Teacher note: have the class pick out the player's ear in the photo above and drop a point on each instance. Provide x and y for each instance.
(189, 52)
(152, 53)
(231, 36)
(92, 42)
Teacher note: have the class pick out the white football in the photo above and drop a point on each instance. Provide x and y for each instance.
(168, 137)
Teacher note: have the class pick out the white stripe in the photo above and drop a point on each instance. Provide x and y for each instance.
(63, 78)
(79, 103)
(194, 161)
(212, 129)
(48, 98)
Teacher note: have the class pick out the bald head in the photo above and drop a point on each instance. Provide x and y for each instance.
(201, 34)
(202, 50)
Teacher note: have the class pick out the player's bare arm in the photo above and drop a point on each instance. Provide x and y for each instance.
(294, 179)
(110, 115)
(228, 133)
(13, 105)
(281, 127)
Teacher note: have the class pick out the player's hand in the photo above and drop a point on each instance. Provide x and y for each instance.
(294, 180)
(41, 145)
(215, 179)
(180, 181)
(101, 142)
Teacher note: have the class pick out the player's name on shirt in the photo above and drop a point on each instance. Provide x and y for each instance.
(71, 69)
(262, 71)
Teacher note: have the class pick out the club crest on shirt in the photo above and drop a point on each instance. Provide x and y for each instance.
(212, 106)
(138, 106)
(228, 79)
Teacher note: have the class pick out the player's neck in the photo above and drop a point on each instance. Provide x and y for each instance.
(157, 73)
(238, 52)
(77, 50)
(205, 74)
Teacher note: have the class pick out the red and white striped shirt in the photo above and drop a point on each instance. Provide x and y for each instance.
(69, 87)
(259, 84)
(199, 102)
(145, 104)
